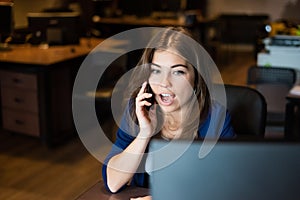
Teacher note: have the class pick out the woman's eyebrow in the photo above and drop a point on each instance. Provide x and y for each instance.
(173, 66)
(179, 65)
(155, 64)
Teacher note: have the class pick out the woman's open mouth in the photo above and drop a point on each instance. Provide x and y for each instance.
(166, 99)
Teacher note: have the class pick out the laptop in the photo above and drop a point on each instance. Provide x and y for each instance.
(233, 170)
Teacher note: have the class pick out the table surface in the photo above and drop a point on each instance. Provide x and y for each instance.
(141, 21)
(45, 55)
(98, 192)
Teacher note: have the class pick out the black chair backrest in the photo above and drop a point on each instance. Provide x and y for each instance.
(248, 110)
(274, 84)
(271, 75)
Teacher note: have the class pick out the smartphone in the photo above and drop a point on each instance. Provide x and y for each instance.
(151, 99)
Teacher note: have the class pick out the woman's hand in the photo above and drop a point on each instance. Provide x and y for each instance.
(147, 119)
(142, 198)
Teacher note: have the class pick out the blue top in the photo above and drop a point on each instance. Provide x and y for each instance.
(123, 140)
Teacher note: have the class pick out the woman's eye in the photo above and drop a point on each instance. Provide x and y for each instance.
(179, 72)
(155, 71)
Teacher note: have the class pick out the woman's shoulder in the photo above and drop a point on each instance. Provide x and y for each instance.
(218, 114)
(217, 104)
(217, 107)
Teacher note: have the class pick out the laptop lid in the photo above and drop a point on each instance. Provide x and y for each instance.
(232, 170)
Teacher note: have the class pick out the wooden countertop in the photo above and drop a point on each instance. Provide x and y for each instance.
(142, 21)
(47, 55)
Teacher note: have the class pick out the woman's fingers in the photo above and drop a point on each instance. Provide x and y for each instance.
(146, 116)
(142, 96)
(141, 100)
(142, 198)
(142, 90)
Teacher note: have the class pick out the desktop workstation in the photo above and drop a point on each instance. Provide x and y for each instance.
(37, 75)
(36, 89)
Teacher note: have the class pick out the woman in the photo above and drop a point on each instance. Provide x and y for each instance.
(172, 103)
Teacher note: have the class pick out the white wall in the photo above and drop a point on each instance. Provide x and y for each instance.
(275, 8)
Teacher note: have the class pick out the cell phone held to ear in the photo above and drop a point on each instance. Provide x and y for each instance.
(151, 99)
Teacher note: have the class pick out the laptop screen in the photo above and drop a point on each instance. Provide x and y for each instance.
(232, 170)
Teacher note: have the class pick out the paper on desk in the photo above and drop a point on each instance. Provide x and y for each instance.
(295, 90)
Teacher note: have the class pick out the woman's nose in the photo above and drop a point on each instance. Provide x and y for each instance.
(165, 81)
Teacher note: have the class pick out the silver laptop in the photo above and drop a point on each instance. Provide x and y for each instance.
(231, 171)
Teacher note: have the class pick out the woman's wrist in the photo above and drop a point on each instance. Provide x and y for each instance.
(145, 134)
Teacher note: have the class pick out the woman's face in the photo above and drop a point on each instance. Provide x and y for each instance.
(171, 80)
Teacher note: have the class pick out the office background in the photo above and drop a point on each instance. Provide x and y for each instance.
(30, 170)
(275, 8)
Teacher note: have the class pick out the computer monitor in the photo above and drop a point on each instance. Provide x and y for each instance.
(54, 28)
(6, 23)
(232, 170)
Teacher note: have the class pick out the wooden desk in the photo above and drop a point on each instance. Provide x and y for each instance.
(98, 192)
(292, 125)
(36, 89)
(44, 55)
(146, 21)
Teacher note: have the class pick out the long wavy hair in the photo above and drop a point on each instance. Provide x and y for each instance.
(178, 40)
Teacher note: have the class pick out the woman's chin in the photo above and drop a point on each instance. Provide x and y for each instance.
(168, 109)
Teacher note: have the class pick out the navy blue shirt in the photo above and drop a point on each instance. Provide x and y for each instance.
(206, 129)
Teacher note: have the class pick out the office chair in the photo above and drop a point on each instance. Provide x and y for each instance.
(274, 84)
(248, 110)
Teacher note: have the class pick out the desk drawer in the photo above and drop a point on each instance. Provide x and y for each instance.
(21, 122)
(19, 80)
(19, 99)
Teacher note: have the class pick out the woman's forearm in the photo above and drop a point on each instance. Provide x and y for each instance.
(122, 167)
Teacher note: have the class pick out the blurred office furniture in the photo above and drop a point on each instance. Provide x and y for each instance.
(36, 89)
(6, 24)
(292, 115)
(109, 26)
(287, 27)
(274, 83)
(281, 51)
(84, 7)
(240, 28)
(54, 28)
(122, 17)
(248, 110)
(230, 30)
